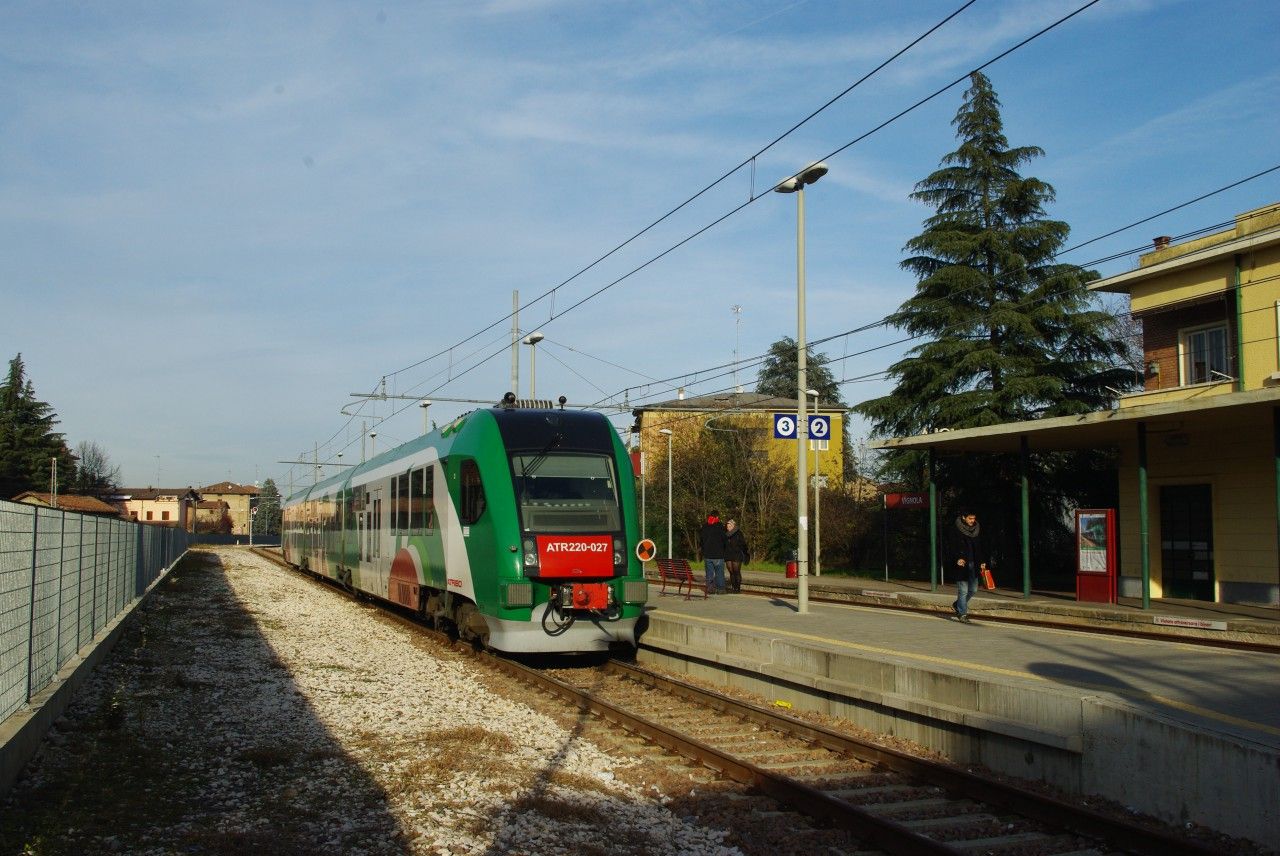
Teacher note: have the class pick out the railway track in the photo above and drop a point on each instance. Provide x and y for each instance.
(885, 799)
(888, 799)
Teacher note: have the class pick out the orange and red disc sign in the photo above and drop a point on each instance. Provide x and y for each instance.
(646, 550)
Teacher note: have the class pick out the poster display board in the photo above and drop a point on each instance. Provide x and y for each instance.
(1096, 566)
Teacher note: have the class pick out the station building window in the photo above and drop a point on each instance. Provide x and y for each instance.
(1204, 354)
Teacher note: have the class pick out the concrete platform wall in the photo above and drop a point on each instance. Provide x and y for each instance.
(1082, 744)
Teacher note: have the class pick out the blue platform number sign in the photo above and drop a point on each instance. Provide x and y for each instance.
(784, 426)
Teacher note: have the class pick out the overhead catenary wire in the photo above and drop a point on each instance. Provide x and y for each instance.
(751, 161)
(883, 321)
(711, 372)
(706, 228)
(551, 292)
(669, 421)
(748, 161)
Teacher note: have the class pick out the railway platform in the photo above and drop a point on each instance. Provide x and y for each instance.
(1099, 699)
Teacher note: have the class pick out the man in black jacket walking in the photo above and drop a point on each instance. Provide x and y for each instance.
(965, 558)
(713, 540)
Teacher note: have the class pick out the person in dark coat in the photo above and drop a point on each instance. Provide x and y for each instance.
(713, 541)
(736, 552)
(966, 558)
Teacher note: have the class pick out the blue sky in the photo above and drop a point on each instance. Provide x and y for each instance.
(218, 220)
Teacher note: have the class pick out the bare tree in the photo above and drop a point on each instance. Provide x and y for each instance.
(95, 474)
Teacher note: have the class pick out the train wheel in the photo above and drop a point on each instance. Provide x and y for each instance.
(471, 625)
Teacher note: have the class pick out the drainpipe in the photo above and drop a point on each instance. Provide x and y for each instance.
(1239, 328)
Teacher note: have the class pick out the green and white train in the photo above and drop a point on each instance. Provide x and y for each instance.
(514, 526)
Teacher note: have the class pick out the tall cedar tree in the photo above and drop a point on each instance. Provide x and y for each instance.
(27, 439)
(1011, 333)
(778, 372)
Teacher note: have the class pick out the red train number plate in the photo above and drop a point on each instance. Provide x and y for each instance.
(575, 555)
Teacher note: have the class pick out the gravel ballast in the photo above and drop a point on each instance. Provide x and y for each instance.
(247, 709)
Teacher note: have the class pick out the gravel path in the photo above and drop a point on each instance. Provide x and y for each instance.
(245, 710)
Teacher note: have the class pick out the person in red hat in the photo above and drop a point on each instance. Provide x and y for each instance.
(714, 539)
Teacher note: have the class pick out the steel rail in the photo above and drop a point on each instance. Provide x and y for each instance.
(797, 795)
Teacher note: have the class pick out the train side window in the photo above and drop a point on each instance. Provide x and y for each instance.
(395, 503)
(471, 493)
(421, 490)
(403, 503)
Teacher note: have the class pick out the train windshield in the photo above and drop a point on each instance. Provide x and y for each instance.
(566, 493)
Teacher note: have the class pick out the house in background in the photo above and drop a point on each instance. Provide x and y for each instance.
(1199, 446)
(739, 411)
(240, 500)
(209, 515)
(69, 502)
(165, 506)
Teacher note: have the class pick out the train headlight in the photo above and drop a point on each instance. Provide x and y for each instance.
(619, 552)
(530, 553)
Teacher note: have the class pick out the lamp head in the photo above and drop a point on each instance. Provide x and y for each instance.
(534, 338)
(808, 175)
(666, 431)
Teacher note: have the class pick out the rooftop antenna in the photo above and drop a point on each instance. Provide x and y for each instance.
(737, 335)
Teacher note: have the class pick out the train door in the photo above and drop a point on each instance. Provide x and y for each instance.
(1186, 541)
(378, 557)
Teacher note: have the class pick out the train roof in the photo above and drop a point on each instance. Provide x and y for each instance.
(521, 429)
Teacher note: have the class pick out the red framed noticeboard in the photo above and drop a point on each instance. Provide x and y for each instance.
(1096, 571)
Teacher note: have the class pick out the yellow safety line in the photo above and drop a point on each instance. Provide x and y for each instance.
(1012, 673)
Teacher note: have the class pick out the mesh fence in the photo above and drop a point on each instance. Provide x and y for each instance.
(63, 577)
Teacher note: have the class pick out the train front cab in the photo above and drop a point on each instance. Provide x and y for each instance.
(574, 504)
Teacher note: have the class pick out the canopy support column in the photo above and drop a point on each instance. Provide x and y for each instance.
(933, 523)
(1144, 526)
(1024, 459)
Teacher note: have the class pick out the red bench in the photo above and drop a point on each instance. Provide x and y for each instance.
(679, 572)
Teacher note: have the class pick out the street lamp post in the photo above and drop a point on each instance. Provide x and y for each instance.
(426, 425)
(532, 340)
(373, 444)
(817, 496)
(796, 184)
(667, 431)
(644, 477)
